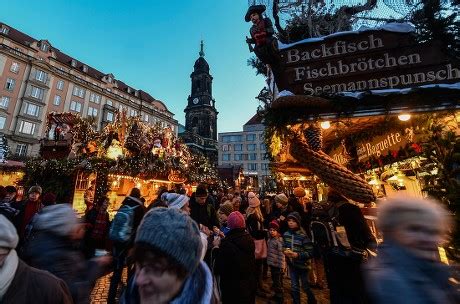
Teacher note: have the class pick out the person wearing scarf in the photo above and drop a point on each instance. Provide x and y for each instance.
(20, 283)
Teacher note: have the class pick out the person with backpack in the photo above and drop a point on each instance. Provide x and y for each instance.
(122, 233)
(342, 236)
(97, 227)
(298, 250)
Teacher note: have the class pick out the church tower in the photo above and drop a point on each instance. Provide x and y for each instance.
(201, 113)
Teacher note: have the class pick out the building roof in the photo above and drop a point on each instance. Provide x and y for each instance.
(255, 120)
(65, 59)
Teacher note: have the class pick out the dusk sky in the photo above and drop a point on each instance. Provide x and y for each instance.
(152, 45)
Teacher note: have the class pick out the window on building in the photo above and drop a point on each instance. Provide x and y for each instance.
(2, 122)
(226, 157)
(41, 76)
(37, 92)
(44, 47)
(31, 109)
(4, 102)
(96, 98)
(75, 106)
(238, 147)
(250, 137)
(109, 102)
(251, 147)
(4, 30)
(261, 136)
(27, 127)
(146, 117)
(57, 100)
(85, 68)
(238, 157)
(264, 166)
(77, 91)
(262, 147)
(10, 83)
(231, 138)
(132, 112)
(252, 156)
(109, 116)
(252, 166)
(226, 147)
(73, 63)
(21, 150)
(14, 67)
(92, 111)
(60, 85)
(263, 156)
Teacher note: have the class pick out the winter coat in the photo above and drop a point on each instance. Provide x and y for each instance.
(205, 215)
(139, 212)
(255, 227)
(396, 276)
(298, 241)
(57, 254)
(198, 288)
(275, 255)
(358, 232)
(34, 286)
(27, 210)
(235, 264)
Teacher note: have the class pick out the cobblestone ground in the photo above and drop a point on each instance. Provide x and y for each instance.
(101, 289)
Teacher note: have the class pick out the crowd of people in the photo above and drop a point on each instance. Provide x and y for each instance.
(221, 247)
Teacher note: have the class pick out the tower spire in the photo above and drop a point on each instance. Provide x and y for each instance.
(202, 49)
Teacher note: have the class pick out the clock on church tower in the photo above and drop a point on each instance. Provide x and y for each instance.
(201, 113)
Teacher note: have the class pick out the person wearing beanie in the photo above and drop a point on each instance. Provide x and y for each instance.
(235, 263)
(298, 249)
(177, 201)
(299, 192)
(158, 202)
(255, 225)
(167, 256)
(202, 208)
(27, 209)
(10, 196)
(8, 204)
(276, 260)
(281, 211)
(121, 250)
(53, 248)
(223, 213)
(20, 283)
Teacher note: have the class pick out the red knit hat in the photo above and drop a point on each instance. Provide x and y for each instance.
(274, 224)
(236, 220)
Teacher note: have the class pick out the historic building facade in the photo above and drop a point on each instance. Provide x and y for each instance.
(36, 79)
(246, 148)
(200, 133)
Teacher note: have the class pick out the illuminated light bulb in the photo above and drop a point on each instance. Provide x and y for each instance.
(404, 117)
(325, 124)
(138, 185)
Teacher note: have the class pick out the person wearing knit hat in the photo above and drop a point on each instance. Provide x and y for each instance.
(20, 283)
(177, 201)
(281, 200)
(202, 208)
(253, 200)
(167, 255)
(235, 263)
(53, 248)
(254, 222)
(299, 192)
(298, 249)
(28, 208)
(276, 260)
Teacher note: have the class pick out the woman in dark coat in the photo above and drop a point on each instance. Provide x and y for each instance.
(52, 248)
(235, 263)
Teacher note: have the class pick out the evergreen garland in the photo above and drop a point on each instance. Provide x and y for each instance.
(4, 149)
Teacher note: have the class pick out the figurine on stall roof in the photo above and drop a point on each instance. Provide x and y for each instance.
(261, 34)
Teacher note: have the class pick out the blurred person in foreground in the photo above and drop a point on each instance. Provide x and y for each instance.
(21, 284)
(407, 268)
(167, 255)
(57, 229)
